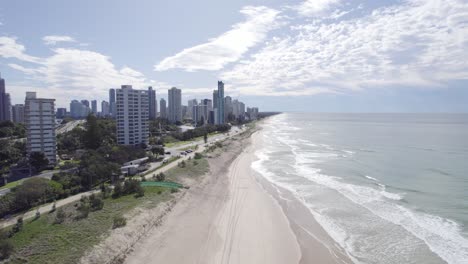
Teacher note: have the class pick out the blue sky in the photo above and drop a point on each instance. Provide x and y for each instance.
(297, 55)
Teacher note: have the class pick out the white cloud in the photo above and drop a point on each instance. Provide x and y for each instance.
(54, 39)
(9, 48)
(417, 43)
(315, 7)
(228, 47)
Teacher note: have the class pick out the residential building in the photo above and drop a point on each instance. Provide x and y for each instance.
(162, 108)
(220, 116)
(227, 107)
(153, 109)
(85, 103)
(5, 102)
(17, 112)
(39, 118)
(252, 113)
(61, 113)
(190, 105)
(112, 103)
(105, 109)
(184, 112)
(132, 116)
(175, 105)
(94, 107)
(78, 109)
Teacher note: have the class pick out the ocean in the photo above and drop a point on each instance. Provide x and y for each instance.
(388, 188)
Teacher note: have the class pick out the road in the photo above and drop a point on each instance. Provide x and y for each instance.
(69, 126)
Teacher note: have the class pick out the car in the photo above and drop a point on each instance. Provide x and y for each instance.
(167, 153)
(183, 153)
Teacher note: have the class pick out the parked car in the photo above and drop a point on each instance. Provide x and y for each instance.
(167, 153)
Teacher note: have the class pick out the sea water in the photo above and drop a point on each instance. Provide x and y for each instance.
(389, 188)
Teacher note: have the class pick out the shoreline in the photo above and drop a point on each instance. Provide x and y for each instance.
(315, 243)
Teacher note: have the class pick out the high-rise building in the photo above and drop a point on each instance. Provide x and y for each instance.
(252, 113)
(78, 109)
(105, 109)
(85, 103)
(61, 113)
(190, 105)
(94, 107)
(162, 108)
(39, 116)
(17, 112)
(175, 105)
(5, 102)
(152, 103)
(112, 103)
(227, 107)
(220, 104)
(132, 116)
(184, 112)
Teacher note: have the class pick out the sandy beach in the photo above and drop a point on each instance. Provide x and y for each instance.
(230, 217)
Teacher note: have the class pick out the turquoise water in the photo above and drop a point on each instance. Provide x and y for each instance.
(389, 188)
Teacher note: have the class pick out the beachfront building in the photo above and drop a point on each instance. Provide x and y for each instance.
(162, 108)
(220, 104)
(132, 116)
(5, 102)
(17, 113)
(175, 105)
(39, 117)
(152, 103)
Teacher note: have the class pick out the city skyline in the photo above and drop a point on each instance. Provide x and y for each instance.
(328, 55)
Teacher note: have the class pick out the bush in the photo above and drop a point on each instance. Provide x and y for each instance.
(6, 249)
(198, 155)
(18, 226)
(174, 190)
(119, 221)
(160, 177)
(117, 190)
(60, 216)
(84, 208)
(96, 202)
(140, 192)
(182, 164)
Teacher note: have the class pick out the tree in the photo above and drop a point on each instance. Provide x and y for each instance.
(95, 169)
(205, 137)
(157, 150)
(38, 160)
(60, 216)
(34, 191)
(93, 135)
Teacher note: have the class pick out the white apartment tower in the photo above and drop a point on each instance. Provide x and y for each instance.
(132, 116)
(39, 116)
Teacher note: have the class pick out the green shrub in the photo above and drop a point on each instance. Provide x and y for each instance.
(198, 155)
(119, 221)
(174, 190)
(96, 202)
(60, 216)
(118, 191)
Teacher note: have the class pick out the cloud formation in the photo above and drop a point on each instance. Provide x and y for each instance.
(416, 43)
(229, 46)
(315, 7)
(54, 39)
(9, 48)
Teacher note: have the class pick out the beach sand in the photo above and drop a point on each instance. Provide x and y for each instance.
(232, 216)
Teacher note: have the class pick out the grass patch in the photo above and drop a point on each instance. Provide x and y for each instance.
(11, 184)
(193, 168)
(42, 241)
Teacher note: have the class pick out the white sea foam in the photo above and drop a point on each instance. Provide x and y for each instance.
(442, 236)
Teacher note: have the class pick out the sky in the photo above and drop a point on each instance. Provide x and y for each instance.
(296, 55)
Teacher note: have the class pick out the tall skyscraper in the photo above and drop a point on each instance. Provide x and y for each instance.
(17, 112)
(220, 104)
(5, 103)
(132, 116)
(94, 107)
(39, 116)
(112, 103)
(152, 103)
(85, 103)
(105, 109)
(78, 109)
(227, 107)
(190, 105)
(162, 108)
(61, 113)
(175, 105)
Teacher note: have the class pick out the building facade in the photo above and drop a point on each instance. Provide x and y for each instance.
(39, 116)
(5, 102)
(153, 109)
(220, 117)
(112, 103)
(94, 107)
(132, 116)
(162, 108)
(175, 105)
(61, 113)
(17, 113)
(105, 109)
